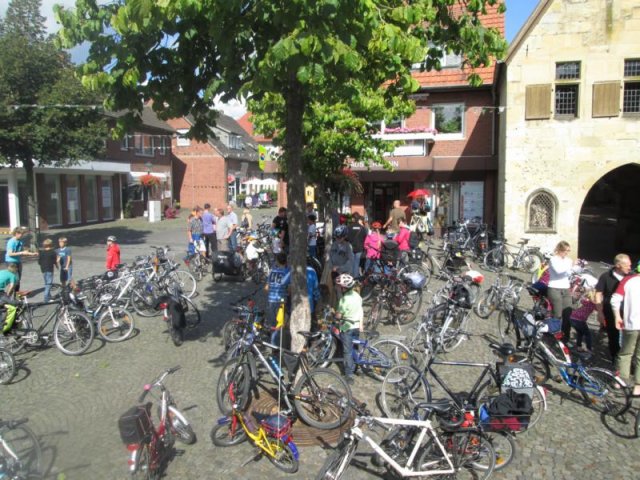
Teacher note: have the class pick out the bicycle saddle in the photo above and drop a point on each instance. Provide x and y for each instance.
(523, 241)
(439, 406)
(505, 350)
(534, 292)
(24, 293)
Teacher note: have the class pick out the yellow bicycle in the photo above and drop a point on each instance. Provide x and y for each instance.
(271, 436)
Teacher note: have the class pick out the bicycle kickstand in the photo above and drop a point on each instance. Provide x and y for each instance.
(253, 458)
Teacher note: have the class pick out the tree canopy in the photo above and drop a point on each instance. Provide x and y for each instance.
(321, 65)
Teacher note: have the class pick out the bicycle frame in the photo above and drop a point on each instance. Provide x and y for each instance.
(426, 428)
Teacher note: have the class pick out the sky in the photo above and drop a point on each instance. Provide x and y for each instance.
(517, 13)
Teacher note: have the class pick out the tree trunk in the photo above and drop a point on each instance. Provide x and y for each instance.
(300, 313)
(31, 201)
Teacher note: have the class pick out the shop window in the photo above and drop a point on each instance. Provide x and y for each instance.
(448, 120)
(541, 212)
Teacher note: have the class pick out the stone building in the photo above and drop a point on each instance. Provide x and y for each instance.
(569, 120)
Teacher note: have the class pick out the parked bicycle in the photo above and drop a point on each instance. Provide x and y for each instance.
(504, 291)
(179, 312)
(20, 451)
(525, 259)
(320, 397)
(7, 366)
(150, 446)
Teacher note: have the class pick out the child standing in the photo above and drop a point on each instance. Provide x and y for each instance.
(64, 261)
(113, 253)
(47, 260)
(351, 317)
(579, 318)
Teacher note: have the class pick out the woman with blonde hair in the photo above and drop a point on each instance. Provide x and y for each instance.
(560, 269)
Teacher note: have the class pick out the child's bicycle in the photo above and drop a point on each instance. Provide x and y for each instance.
(271, 436)
(151, 447)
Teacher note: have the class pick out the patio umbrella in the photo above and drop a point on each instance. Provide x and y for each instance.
(419, 193)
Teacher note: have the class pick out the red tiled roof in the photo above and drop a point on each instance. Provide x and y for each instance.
(449, 77)
(246, 124)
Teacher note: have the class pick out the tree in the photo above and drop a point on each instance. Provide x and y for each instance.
(302, 53)
(46, 115)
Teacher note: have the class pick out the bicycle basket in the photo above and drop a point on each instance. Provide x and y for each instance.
(135, 424)
(415, 280)
(509, 411)
(276, 426)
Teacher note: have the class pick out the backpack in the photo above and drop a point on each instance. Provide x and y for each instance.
(390, 252)
(414, 240)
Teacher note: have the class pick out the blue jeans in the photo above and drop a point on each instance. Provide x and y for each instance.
(347, 350)
(313, 251)
(48, 280)
(582, 331)
(233, 241)
(65, 275)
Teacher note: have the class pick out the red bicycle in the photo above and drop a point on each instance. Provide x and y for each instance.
(151, 447)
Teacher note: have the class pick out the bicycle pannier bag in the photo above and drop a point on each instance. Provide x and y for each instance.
(223, 261)
(517, 377)
(135, 424)
(414, 240)
(390, 251)
(277, 425)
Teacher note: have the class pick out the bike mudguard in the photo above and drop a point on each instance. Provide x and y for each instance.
(224, 420)
(289, 441)
(543, 392)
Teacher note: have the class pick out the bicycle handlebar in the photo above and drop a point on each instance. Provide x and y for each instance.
(157, 381)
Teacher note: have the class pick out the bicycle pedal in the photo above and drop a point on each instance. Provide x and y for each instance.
(253, 458)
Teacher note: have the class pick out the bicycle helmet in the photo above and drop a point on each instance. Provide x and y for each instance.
(376, 225)
(111, 238)
(345, 280)
(340, 232)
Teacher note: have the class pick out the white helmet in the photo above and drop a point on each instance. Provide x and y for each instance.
(345, 280)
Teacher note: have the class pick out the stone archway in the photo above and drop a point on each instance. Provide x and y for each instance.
(610, 216)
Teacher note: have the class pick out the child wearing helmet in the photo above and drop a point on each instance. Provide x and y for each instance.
(351, 317)
(113, 253)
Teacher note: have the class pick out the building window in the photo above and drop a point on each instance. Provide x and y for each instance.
(91, 187)
(542, 208)
(144, 145)
(448, 119)
(127, 142)
(52, 200)
(631, 95)
(183, 140)
(106, 195)
(566, 94)
(73, 198)
(446, 59)
(235, 142)
(410, 148)
(160, 143)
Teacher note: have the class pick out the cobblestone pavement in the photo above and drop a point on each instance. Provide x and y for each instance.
(74, 403)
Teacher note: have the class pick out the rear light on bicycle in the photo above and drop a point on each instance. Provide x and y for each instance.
(132, 447)
(251, 303)
(164, 305)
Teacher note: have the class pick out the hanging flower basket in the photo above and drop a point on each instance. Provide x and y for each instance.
(347, 180)
(149, 180)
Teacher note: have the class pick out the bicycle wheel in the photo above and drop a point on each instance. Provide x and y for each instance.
(196, 268)
(486, 304)
(506, 327)
(453, 330)
(538, 404)
(603, 390)
(21, 451)
(56, 290)
(115, 324)
(402, 389)
(368, 287)
(322, 399)
(531, 262)
(232, 332)
(504, 447)
(143, 299)
(473, 453)
(191, 312)
(285, 457)
(494, 260)
(180, 426)
(337, 463)
(541, 367)
(261, 271)
(382, 355)
(227, 434)
(143, 469)
(233, 386)
(321, 350)
(185, 280)
(7, 366)
(73, 332)
(12, 343)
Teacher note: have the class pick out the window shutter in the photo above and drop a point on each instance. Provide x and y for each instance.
(606, 99)
(538, 102)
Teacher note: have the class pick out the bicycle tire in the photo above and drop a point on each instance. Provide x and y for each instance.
(185, 281)
(603, 390)
(402, 389)
(321, 351)
(180, 426)
(494, 260)
(235, 378)
(531, 262)
(285, 458)
(367, 288)
(507, 328)
(115, 324)
(7, 366)
(194, 267)
(25, 445)
(232, 331)
(191, 313)
(13, 344)
(323, 405)
(504, 447)
(453, 334)
(338, 462)
(473, 451)
(225, 435)
(538, 405)
(73, 335)
(143, 300)
(382, 355)
(143, 470)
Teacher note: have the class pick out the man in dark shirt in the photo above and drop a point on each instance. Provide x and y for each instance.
(280, 223)
(607, 284)
(356, 236)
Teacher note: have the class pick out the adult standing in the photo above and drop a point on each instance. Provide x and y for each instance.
(605, 288)
(628, 291)
(222, 230)
(280, 223)
(341, 253)
(209, 230)
(232, 219)
(394, 216)
(356, 235)
(15, 252)
(560, 268)
(246, 221)
(113, 253)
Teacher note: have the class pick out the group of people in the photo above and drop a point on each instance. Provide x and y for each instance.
(615, 297)
(209, 231)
